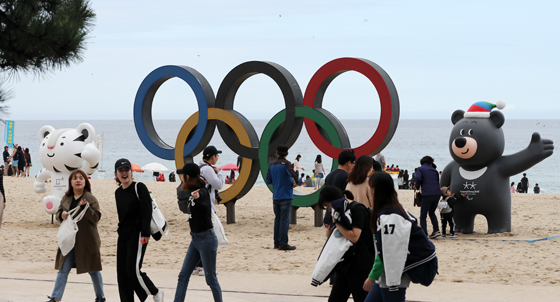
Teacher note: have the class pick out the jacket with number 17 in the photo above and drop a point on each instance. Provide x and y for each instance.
(401, 244)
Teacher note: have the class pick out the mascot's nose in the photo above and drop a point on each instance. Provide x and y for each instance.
(460, 142)
(50, 147)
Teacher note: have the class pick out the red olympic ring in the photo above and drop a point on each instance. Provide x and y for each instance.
(387, 95)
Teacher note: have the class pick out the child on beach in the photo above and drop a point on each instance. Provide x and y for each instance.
(445, 207)
(512, 187)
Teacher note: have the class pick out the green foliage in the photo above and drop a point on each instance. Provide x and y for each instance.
(39, 36)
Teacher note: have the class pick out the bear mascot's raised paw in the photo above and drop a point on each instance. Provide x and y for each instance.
(481, 171)
(63, 151)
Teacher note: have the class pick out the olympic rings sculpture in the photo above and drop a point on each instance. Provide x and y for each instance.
(324, 129)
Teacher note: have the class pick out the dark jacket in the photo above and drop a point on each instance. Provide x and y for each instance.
(282, 177)
(428, 178)
(88, 243)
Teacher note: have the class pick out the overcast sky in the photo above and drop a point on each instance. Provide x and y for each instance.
(441, 56)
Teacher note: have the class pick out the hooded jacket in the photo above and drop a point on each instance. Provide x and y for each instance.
(401, 244)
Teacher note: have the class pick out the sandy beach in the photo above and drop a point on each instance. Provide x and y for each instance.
(498, 267)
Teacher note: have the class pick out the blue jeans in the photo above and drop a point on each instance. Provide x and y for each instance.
(204, 246)
(62, 278)
(429, 206)
(378, 294)
(282, 208)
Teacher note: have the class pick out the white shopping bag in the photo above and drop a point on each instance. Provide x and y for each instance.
(219, 229)
(68, 229)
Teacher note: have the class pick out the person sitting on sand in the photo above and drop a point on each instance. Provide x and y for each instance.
(536, 189)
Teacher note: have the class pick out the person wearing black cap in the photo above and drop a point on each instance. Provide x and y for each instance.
(204, 244)
(358, 261)
(134, 207)
(283, 179)
(214, 182)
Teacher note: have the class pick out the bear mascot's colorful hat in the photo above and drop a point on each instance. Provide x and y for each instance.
(483, 109)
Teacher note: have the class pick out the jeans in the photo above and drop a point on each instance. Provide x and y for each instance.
(282, 210)
(429, 206)
(62, 278)
(378, 294)
(204, 246)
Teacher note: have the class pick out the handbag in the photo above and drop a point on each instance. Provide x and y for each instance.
(158, 224)
(68, 229)
(417, 198)
(219, 229)
(331, 255)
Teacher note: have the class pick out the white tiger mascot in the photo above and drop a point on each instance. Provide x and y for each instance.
(63, 151)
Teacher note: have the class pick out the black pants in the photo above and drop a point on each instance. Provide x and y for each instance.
(445, 218)
(349, 282)
(130, 255)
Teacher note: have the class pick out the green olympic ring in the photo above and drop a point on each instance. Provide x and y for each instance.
(320, 119)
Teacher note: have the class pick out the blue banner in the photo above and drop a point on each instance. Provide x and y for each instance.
(9, 133)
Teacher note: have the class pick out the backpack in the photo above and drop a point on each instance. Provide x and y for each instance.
(158, 225)
(424, 273)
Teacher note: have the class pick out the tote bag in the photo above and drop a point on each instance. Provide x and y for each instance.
(219, 229)
(68, 229)
(333, 253)
(158, 224)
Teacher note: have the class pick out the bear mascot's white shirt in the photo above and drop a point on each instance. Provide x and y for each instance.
(63, 151)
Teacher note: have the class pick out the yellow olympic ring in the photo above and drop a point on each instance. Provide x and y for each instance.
(233, 123)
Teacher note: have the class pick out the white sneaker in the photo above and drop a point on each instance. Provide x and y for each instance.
(201, 272)
(159, 296)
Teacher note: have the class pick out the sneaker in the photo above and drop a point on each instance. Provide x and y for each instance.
(443, 235)
(287, 247)
(51, 299)
(159, 296)
(99, 299)
(435, 235)
(453, 236)
(201, 272)
(196, 270)
(276, 247)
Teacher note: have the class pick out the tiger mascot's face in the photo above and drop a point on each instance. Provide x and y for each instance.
(60, 150)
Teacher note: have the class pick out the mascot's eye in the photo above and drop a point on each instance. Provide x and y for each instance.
(461, 132)
(62, 144)
(470, 131)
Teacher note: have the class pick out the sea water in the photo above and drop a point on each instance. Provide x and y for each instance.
(412, 140)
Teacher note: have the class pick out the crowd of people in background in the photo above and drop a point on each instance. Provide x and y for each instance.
(18, 162)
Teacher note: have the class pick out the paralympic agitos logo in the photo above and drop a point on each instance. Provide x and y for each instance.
(324, 129)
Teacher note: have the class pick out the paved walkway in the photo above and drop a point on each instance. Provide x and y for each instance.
(25, 282)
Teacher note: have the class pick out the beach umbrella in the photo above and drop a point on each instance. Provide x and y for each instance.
(155, 167)
(136, 168)
(228, 167)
